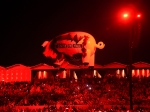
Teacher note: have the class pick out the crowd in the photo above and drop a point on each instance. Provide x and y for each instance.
(108, 93)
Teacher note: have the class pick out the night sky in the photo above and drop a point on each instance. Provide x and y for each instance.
(25, 25)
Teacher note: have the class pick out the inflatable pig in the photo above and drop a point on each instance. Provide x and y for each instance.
(75, 47)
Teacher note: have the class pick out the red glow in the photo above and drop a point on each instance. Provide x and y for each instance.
(125, 15)
(138, 15)
(128, 14)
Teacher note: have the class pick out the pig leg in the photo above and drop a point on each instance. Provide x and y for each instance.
(86, 57)
(60, 59)
(92, 60)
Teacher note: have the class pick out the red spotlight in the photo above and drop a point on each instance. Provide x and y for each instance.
(125, 15)
(138, 15)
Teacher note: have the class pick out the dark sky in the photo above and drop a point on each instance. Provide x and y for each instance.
(25, 25)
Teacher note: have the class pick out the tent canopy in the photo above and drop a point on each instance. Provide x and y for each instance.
(2, 68)
(17, 66)
(114, 65)
(67, 65)
(42, 66)
(141, 65)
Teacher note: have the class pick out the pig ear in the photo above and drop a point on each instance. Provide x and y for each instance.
(45, 43)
